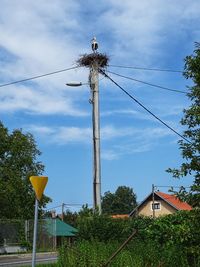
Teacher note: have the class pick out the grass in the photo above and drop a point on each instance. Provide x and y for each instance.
(44, 265)
(138, 254)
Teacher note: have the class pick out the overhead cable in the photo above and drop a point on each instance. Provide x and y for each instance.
(53, 208)
(171, 186)
(38, 76)
(140, 68)
(140, 104)
(151, 84)
(68, 205)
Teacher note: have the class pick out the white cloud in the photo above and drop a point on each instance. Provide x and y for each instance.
(165, 111)
(38, 102)
(72, 135)
(116, 141)
(37, 38)
(142, 140)
(108, 132)
(140, 30)
(109, 154)
(62, 135)
(34, 34)
(116, 152)
(43, 36)
(41, 130)
(120, 111)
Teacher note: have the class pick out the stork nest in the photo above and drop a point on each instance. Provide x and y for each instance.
(87, 60)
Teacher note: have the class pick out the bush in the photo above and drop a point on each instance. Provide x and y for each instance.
(137, 254)
(167, 241)
(104, 228)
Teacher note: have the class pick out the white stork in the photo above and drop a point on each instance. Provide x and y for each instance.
(94, 44)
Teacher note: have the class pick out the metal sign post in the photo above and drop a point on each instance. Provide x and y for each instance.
(38, 183)
(35, 233)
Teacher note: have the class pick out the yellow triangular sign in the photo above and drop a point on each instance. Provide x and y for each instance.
(39, 183)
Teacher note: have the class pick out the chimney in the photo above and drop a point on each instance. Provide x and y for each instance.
(53, 214)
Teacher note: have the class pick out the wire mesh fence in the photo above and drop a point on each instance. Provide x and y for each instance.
(17, 235)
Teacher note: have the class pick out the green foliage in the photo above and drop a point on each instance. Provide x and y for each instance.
(105, 228)
(137, 254)
(181, 230)
(95, 253)
(102, 228)
(12, 232)
(1, 239)
(85, 212)
(191, 120)
(18, 161)
(26, 244)
(123, 201)
(45, 265)
(171, 240)
(70, 218)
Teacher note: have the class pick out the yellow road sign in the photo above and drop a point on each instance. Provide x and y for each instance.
(39, 183)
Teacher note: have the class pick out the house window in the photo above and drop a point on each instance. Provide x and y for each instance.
(155, 206)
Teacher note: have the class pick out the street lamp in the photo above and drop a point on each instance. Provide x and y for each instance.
(74, 84)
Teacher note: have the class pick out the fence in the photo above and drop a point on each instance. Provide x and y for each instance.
(17, 235)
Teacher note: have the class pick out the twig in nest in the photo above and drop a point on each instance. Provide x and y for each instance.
(87, 60)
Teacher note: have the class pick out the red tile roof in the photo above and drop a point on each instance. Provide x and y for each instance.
(120, 216)
(174, 201)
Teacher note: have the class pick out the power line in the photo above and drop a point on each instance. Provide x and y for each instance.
(151, 84)
(53, 208)
(68, 205)
(79, 205)
(149, 69)
(38, 76)
(171, 186)
(156, 117)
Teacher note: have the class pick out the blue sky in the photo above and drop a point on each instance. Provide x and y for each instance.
(38, 37)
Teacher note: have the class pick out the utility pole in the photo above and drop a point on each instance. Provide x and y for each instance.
(95, 62)
(94, 86)
(63, 206)
(153, 200)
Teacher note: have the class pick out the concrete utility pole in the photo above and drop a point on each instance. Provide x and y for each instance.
(94, 85)
(95, 62)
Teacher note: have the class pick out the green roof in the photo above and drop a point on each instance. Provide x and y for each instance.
(56, 227)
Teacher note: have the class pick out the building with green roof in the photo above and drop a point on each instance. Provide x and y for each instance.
(59, 230)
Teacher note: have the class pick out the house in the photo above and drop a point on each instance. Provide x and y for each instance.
(158, 204)
(120, 216)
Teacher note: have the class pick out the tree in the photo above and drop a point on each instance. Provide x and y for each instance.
(191, 119)
(123, 201)
(18, 161)
(70, 217)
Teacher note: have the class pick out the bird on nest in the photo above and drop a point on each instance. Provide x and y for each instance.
(94, 44)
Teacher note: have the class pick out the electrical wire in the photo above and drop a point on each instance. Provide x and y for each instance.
(149, 69)
(151, 84)
(140, 104)
(38, 76)
(79, 205)
(171, 186)
(68, 205)
(53, 208)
